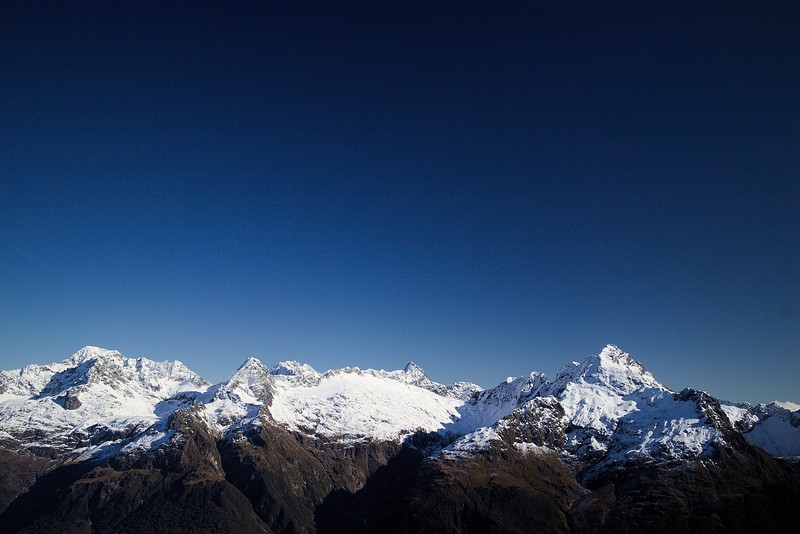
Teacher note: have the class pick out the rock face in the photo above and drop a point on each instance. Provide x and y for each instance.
(71, 401)
(104, 443)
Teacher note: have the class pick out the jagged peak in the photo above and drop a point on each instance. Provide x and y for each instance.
(94, 367)
(142, 367)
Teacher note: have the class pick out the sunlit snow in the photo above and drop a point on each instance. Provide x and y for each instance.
(98, 402)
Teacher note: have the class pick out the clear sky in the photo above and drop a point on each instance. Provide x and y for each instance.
(485, 190)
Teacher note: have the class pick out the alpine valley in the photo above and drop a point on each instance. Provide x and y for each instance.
(104, 443)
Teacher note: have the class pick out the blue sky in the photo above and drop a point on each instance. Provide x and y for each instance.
(483, 190)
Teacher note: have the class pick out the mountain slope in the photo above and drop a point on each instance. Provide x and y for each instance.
(773, 427)
(123, 442)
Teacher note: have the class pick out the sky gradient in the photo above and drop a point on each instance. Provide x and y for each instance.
(483, 190)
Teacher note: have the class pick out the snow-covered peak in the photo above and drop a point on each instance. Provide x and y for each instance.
(92, 367)
(168, 377)
(89, 352)
(414, 371)
(615, 354)
(612, 368)
(608, 406)
(161, 379)
(249, 384)
(249, 364)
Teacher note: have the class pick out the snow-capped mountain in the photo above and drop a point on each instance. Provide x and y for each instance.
(607, 406)
(95, 396)
(281, 440)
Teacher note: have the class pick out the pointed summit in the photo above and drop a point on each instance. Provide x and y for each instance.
(415, 371)
(612, 368)
(620, 357)
(250, 383)
(251, 370)
(615, 368)
(250, 363)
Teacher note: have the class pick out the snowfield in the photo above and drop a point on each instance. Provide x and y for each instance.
(355, 405)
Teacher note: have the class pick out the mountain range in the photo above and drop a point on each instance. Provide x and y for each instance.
(100, 442)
